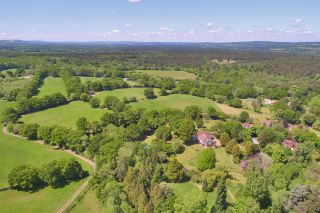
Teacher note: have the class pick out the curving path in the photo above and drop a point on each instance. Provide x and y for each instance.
(81, 188)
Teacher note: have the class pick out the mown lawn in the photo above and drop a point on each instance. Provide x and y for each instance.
(175, 101)
(46, 200)
(88, 203)
(178, 75)
(127, 92)
(66, 115)
(188, 159)
(15, 152)
(258, 117)
(52, 85)
(92, 79)
(4, 105)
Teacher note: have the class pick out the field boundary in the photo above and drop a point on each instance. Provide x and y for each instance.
(81, 188)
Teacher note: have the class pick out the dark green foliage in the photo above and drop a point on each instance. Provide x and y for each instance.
(27, 105)
(256, 187)
(10, 115)
(193, 112)
(164, 133)
(82, 124)
(185, 130)
(235, 102)
(44, 133)
(29, 131)
(94, 102)
(224, 139)
(149, 93)
(206, 159)
(244, 116)
(175, 171)
(220, 203)
(24, 178)
(52, 174)
(270, 135)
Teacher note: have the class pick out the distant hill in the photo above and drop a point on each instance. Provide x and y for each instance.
(310, 48)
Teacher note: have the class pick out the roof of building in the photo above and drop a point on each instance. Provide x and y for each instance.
(292, 144)
(246, 125)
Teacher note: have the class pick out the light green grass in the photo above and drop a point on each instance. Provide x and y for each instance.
(175, 101)
(88, 203)
(188, 159)
(4, 105)
(92, 79)
(46, 200)
(127, 92)
(66, 115)
(188, 191)
(52, 85)
(258, 117)
(178, 75)
(15, 152)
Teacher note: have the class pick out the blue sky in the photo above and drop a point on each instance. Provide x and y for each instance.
(160, 20)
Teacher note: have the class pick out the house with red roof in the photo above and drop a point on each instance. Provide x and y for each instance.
(290, 144)
(206, 139)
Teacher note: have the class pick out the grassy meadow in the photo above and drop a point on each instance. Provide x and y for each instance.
(178, 75)
(66, 115)
(88, 203)
(52, 85)
(127, 92)
(175, 101)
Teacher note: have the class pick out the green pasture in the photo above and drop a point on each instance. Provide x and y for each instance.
(178, 75)
(52, 85)
(66, 115)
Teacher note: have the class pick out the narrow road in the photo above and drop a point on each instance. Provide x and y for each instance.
(82, 187)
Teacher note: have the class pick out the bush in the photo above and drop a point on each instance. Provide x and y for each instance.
(206, 159)
(235, 102)
(149, 93)
(29, 131)
(244, 116)
(24, 178)
(44, 133)
(224, 139)
(51, 173)
(94, 102)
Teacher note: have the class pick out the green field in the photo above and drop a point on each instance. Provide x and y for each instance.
(128, 92)
(4, 105)
(45, 200)
(178, 75)
(92, 79)
(188, 159)
(52, 85)
(88, 203)
(65, 115)
(258, 117)
(175, 101)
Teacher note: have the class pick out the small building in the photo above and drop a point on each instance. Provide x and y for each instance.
(267, 123)
(290, 144)
(126, 79)
(255, 141)
(246, 125)
(206, 139)
(268, 101)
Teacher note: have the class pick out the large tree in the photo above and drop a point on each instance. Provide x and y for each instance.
(206, 159)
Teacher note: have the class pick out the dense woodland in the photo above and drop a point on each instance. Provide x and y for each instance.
(135, 176)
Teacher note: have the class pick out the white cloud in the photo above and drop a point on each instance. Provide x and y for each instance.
(298, 20)
(213, 31)
(3, 34)
(250, 31)
(307, 32)
(209, 24)
(128, 25)
(115, 31)
(134, 1)
(164, 28)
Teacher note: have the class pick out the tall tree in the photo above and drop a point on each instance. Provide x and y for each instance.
(220, 203)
